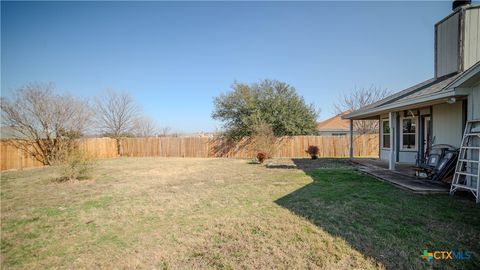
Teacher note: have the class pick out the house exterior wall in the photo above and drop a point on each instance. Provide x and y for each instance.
(471, 52)
(447, 123)
(446, 128)
(457, 48)
(446, 43)
(407, 157)
(403, 156)
(473, 111)
(384, 154)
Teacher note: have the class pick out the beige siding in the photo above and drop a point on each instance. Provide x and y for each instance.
(447, 46)
(472, 37)
(384, 154)
(473, 113)
(447, 123)
(425, 111)
(474, 103)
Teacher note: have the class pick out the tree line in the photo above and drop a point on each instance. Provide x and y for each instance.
(46, 123)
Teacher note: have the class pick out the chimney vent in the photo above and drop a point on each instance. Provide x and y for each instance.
(459, 3)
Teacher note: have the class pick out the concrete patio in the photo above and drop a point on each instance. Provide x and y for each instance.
(403, 176)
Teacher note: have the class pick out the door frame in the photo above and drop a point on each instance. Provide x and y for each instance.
(426, 133)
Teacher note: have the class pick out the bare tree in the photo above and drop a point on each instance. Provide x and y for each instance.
(359, 98)
(116, 115)
(165, 131)
(45, 124)
(146, 127)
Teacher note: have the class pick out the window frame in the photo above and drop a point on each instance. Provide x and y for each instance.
(414, 118)
(381, 133)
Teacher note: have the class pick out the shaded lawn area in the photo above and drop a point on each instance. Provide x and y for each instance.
(386, 223)
(170, 213)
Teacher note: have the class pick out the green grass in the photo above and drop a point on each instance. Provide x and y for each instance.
(226, 214)
(391, 225)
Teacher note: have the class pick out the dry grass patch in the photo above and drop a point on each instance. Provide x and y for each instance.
(174, 213)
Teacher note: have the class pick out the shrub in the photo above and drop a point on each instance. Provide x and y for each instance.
(76, 166)
(313, 151)
(261, 157)
(263, 140)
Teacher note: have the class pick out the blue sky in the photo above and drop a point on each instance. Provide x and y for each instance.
(174, 57)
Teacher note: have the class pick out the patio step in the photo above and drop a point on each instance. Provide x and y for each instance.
(401, 179)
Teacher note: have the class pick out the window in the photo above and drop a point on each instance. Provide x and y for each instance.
(385, 133)
(408, 134)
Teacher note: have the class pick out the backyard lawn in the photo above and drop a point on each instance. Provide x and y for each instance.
(171, 213)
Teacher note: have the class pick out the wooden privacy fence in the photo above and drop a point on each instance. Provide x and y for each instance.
(14, 158)
(296, 146)
(98, 148)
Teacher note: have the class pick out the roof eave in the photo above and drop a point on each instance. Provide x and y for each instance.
(421, 101)
(448, 91)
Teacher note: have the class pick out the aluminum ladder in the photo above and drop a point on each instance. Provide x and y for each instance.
(465, 177)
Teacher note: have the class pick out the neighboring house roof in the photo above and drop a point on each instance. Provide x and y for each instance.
(335, 123)
(431, 91)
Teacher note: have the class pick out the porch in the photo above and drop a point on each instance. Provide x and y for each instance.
(402, 176)
(408, 134)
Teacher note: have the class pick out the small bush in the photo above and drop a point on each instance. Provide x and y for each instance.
(263, 140)
(313, 151)
(76, 166)
(261, 157)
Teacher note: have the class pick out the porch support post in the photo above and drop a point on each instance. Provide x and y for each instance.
(351, 138)
(393, 151)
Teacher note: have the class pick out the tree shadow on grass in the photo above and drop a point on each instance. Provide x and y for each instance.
(392, 226)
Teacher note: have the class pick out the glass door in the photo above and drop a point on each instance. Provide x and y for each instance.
(426, 134)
